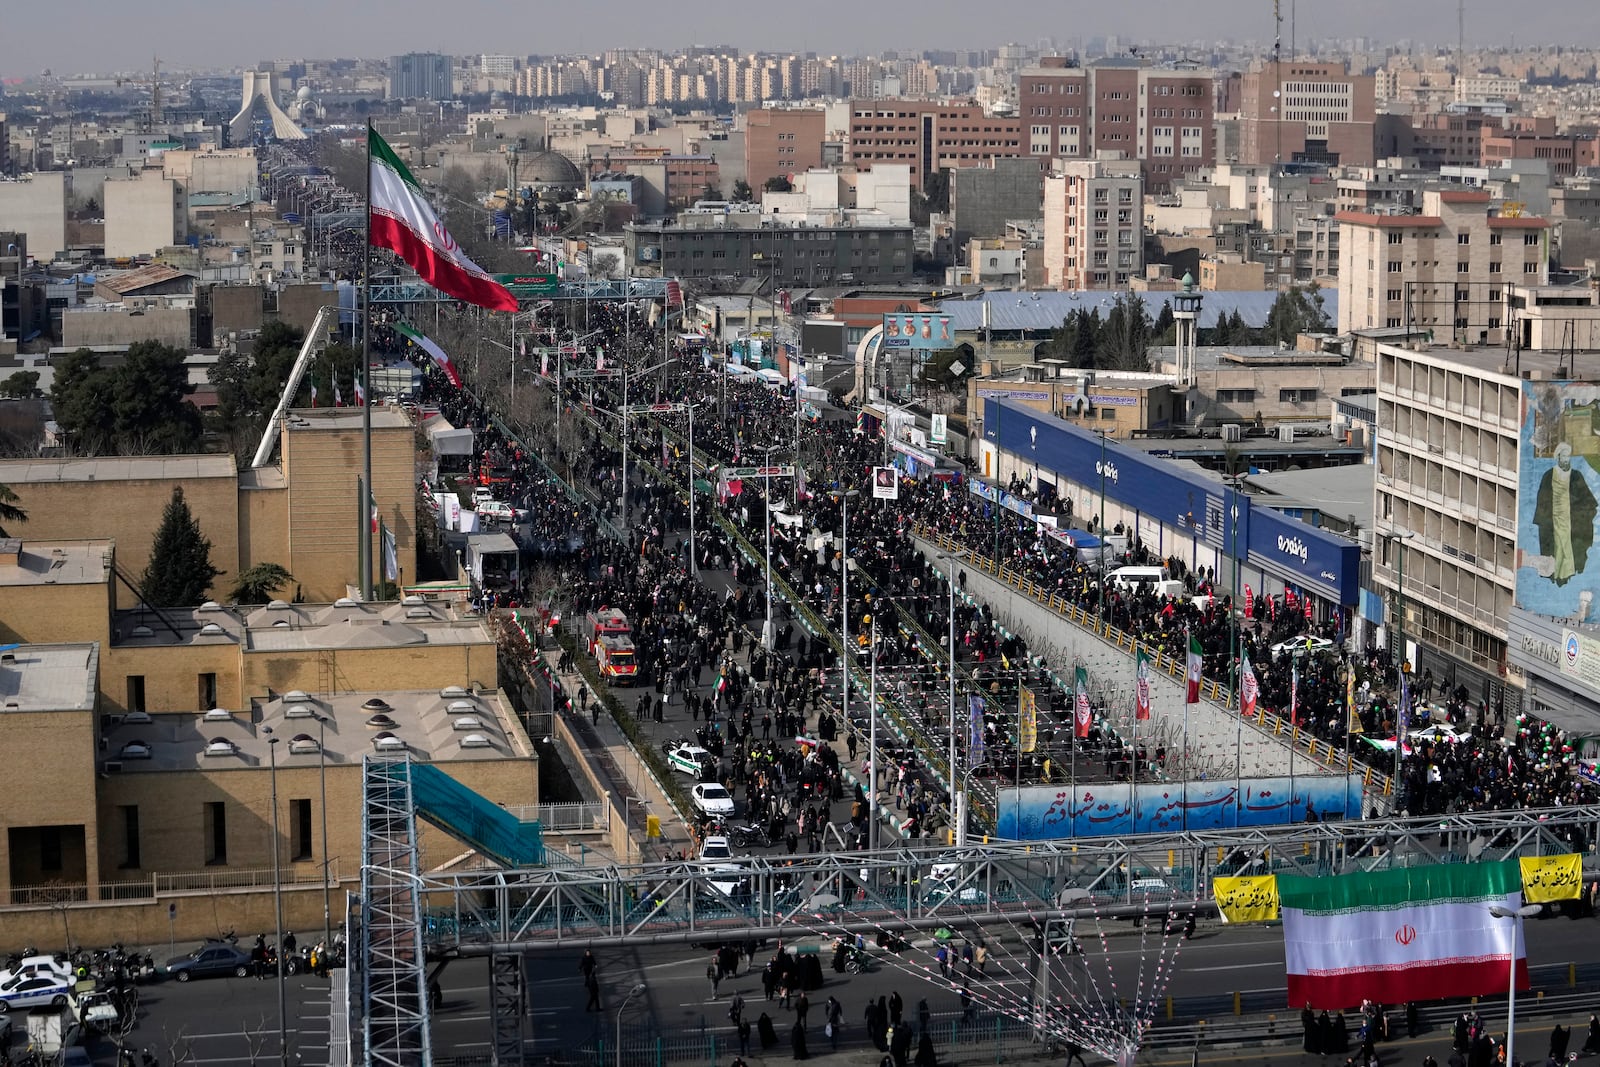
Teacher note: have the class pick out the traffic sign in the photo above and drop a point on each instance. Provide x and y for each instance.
(656, 409)
(523, 286)
(572, 375)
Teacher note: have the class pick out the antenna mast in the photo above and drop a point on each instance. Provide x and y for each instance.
(155, 94)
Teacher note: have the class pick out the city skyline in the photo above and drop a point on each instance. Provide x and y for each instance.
(111, 37)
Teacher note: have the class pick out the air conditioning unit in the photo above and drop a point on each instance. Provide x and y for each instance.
(1286, 434)
(1232, 434)
(1358, 437)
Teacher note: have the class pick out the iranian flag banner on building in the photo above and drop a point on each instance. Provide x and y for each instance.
(1421, 933)
(402, 220)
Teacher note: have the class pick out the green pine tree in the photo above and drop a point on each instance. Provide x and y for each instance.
(179, 572)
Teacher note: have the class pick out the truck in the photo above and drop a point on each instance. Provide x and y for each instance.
(50, 1030)
(604, 622)
(614, 655)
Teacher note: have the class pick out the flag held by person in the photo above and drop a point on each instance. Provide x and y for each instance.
(1193, 669)
(435, 353)
(1082, 709)
(401, 220)
(1249, 688)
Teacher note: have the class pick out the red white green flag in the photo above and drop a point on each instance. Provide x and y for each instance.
(404, 222)
(1417, 933)
(1193, 670)
(435, 353)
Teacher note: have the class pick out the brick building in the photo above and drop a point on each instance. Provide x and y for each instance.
(1323, 114)
(782, 141)
(929, 136)
(1163, 118)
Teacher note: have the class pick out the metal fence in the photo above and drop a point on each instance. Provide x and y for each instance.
(162, 885)
(576, 817)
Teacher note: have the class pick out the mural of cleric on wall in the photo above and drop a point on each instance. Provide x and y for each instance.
(1558, 557)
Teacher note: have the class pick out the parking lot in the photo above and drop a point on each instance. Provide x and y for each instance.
(214, 1021)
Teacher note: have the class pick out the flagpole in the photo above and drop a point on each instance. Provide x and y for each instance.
(364, 553)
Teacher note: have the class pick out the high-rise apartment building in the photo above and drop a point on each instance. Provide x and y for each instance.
(420, 76)
(1163, 118)
(1297, 110)
(1444, 271)
(1094, 224)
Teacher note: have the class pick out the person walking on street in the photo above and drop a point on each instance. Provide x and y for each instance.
(714, 973)
(801, 1008)
(593, 986)
(833, 1012)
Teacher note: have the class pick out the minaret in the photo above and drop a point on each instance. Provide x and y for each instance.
(1186, 310)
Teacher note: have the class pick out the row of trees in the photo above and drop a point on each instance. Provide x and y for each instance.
(1120, 340)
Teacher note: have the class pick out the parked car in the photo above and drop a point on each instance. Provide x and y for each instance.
(34, 991)
(712, 800)
(34, 965)
(209, 960)
(687, 758)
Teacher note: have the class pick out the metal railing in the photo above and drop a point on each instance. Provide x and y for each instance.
(180, 883)
(576, 817)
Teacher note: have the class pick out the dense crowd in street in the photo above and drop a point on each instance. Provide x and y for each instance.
(1490, 764)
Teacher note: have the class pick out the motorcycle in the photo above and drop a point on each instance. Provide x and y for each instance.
(748, 836)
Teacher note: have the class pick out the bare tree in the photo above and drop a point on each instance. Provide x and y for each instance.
(255, 1039)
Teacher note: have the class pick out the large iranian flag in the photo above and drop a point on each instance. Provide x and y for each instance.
(1420, 933)
(404, 222)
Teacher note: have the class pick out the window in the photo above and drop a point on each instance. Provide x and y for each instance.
(49, 848)
(1494, 266)
(1494, 238)
(299, 830)
(1296, 396)
(1392, 322)
(1394, 266)
(1396, 237)
(215, 826)
(1235, 396)
(1107, 414)
(130, 836)
(1463, 238)
(208, 691)
(1530, 240)
(136, 692)
(1463, 267)
(1395, 294)
(1530, 268)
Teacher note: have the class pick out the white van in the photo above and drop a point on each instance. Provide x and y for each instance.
(1126, 578)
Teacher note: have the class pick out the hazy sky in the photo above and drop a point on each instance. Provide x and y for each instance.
(101, 35)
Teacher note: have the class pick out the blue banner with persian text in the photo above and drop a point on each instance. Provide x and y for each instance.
(1104, 809)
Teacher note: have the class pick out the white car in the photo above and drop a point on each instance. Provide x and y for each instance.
(35, 965)
(32, 991)
(501, 511)
(726, 875)
(712, 800)
(687, 759)
(1300, 646)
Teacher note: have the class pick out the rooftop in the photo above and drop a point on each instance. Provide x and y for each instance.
(1495, 359)
(14, 472)
(1341, 492)
(54, 562)
(305, 420)
(447, 725)
(49, 678)
(131, 281)
(280, 625)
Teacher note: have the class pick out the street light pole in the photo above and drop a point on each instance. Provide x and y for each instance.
(277, 901)
(694, 559)
(635, 991)
(1516, 915)
(322, 772)
(846, 660)
(1400, 640)
(955, 811)
(872, 736)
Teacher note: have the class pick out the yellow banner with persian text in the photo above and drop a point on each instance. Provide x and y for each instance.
(1548, 878)
(1247, 899)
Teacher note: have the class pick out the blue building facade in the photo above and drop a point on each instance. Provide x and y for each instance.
(1175, 511)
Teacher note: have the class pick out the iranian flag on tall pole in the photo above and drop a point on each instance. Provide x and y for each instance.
(400, 219)
(404, 222)
(1418, 933)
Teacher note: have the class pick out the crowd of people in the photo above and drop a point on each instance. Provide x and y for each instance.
(1492, 764)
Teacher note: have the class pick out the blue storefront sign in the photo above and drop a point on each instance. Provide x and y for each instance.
(1300, 555)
